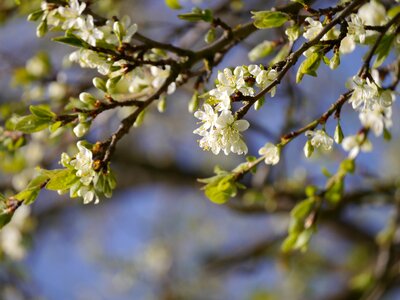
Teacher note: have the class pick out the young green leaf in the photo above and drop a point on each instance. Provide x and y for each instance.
(174, 4)
(269, 19)
(197, 15)
(42, 112)
(31, 123)
(309, 66)
(383, 49)
(71, 40)
(61, 179)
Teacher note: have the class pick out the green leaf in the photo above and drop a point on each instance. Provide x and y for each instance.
(197, 15)
(36, 15)
(7, 209)
(5, 218)
(53, 127)
(348, 166)
(71, 40)
(309, 66)
(219, 189)
(303, 209)
(60, 179)
(303, 239)
(393, 11)
(42, 112)
(386, 134)
(174, 4)
(289, 242)
(32, 191)
(269, 19)
(383, 49)
(335, 193)
(31, 123)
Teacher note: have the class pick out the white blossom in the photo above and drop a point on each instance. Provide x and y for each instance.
(377, 119)
(83, 164)
(264, 77)
(312, 29)
(71, 13)
(356, 28)
(207, 118)
(230, 133)
(347, 45)
(128, 29)
(87, 31)
(372, 13)
(231, 82)
(319, 138)
(223, 99)
(354, 143)
(159, 77)
(364, 94)
(91, 59)
(271, 153)
(88, 194)
(221, 133)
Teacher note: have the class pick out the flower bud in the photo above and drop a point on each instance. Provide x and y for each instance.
(139, 119)
(65, 159)
(259, 103)
(335, 61)
(41, 29)
(194, 102)
(87, 98)
(112, 82)
(162, 104)
(293, 33)
(338, 135)
(100, 84)
(81, 129)
(119, 30)
(210, 36)
(308, 149)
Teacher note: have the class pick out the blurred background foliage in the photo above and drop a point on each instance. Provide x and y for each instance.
(158, 237)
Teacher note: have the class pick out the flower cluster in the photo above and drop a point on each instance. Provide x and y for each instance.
(71, 18)
(89, 183)
(220, 130)
(110, 34)
(372, 13)
(372, 102)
